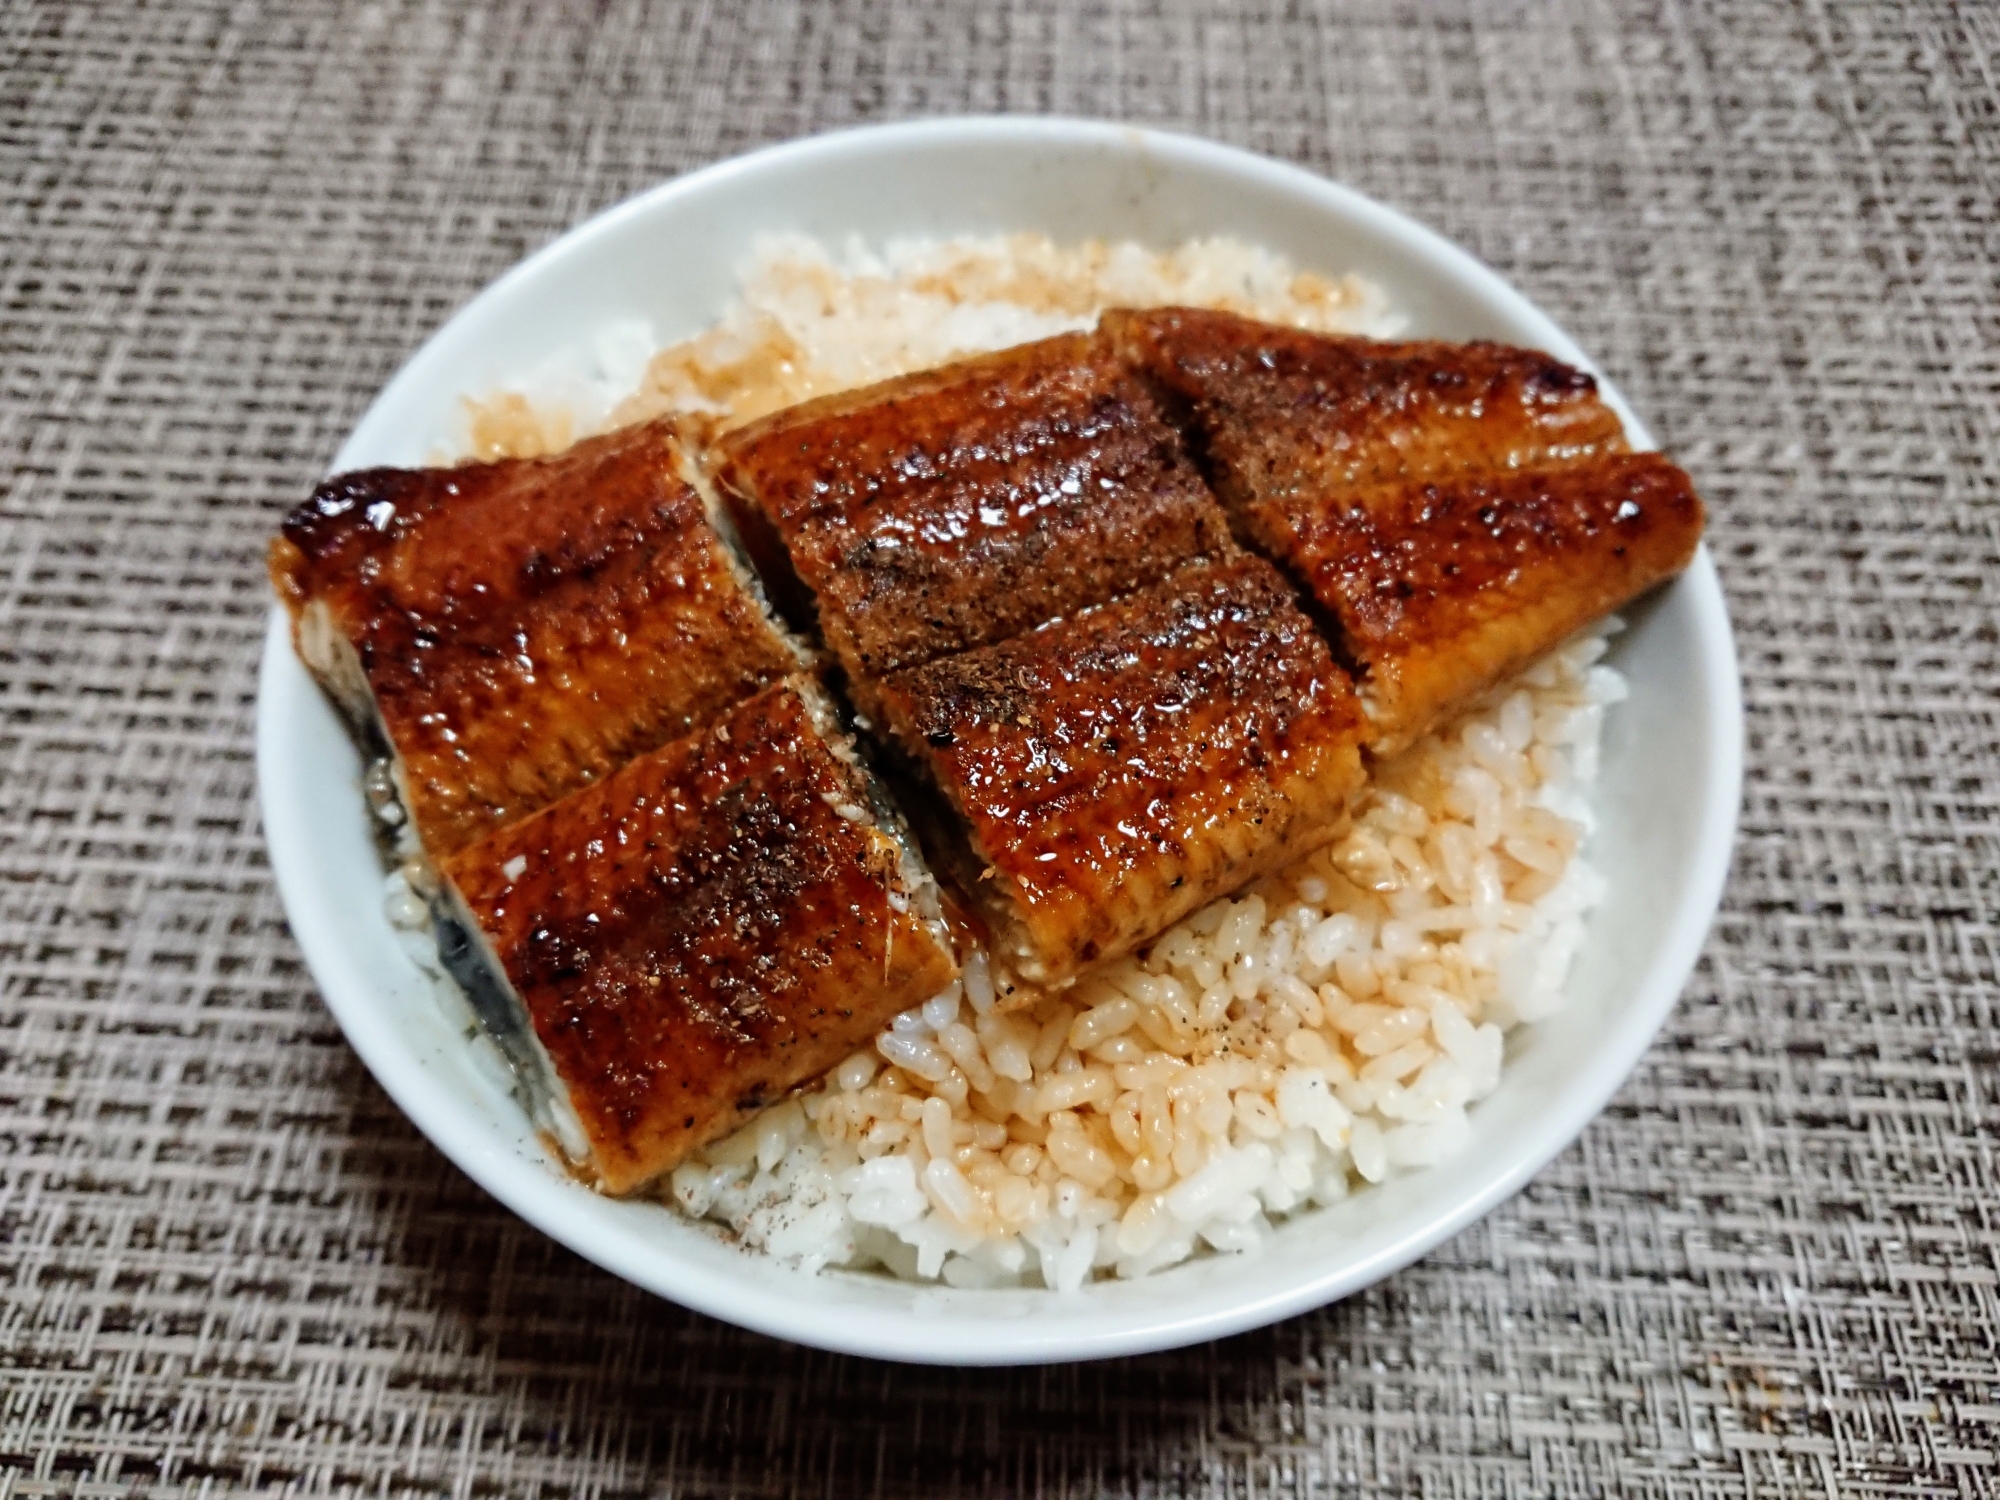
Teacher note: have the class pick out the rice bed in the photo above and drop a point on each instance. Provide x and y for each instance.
(1321, 1031)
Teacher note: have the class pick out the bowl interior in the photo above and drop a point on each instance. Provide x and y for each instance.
(1667, 794)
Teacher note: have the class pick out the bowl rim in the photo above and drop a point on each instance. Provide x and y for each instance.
(532, 1191)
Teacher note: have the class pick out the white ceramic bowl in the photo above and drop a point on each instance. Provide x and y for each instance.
(1668, 793)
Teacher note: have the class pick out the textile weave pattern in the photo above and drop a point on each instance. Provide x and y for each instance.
(227, 1263)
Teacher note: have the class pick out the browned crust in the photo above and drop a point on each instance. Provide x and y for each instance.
(1119, 769)
(1441, 589)
(1283, 414)
(703, 931)
(958, 507)
(529, 625)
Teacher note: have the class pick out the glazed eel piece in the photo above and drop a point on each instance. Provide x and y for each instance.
(944, 511)
(512, 632)
(1282, 414)
(1452, 511)
(1106, 774)
(1439, 589)
(674, 948)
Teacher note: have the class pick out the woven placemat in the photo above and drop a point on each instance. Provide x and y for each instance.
(228, 1264)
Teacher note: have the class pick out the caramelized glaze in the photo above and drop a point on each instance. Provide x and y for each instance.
(961, 506)
(1441, 589)
(1118, 769)
(715, 924)
(529, 625)
(1284, 415)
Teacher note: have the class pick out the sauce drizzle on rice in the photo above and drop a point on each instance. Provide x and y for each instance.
(1327, 1027)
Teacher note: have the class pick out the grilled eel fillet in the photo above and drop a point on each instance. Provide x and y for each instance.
(1283, 415)
(1114, 771)
(1440, 589)
(719, 922)
(1454, 510)
(955, 508)
(516, 630)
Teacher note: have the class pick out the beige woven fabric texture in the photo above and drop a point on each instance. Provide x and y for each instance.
(227, 1264)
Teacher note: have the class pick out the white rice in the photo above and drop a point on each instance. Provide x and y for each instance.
(1325, 1030)
(807, 321)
